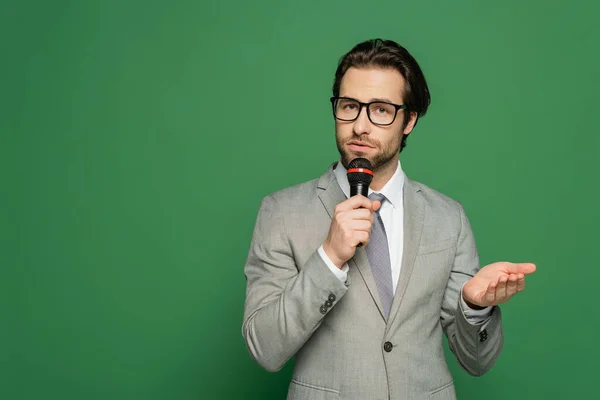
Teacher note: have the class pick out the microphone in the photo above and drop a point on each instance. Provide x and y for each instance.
(360, 175)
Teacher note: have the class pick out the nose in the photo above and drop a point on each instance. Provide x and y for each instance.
(362, 125)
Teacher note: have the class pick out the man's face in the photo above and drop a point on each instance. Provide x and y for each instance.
(362, 138)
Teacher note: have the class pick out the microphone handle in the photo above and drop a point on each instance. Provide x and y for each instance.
(359, 188)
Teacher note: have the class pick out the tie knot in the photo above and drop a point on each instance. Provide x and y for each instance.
(377, 196)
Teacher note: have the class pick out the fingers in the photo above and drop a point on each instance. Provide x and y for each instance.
(520, 282)
(506, 287)
(350, 215)
(350, 227)
(361, 213)
(357, 202)
(501, 287)
(354, 202)
(359, 230)
(490, 293)
(360, 225)
(511, 285)
(360, 237)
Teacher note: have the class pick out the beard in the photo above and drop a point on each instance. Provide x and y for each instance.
(383, 155)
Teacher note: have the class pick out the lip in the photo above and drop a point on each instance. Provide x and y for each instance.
(359, 146)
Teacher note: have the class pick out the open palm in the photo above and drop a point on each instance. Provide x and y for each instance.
(496, 283)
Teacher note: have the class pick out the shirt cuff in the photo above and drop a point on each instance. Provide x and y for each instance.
(474, 317)
(342, 274)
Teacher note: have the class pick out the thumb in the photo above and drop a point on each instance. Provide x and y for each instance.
(375, 205)
(521, 268)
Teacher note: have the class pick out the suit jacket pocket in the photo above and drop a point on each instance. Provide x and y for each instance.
(436, 246)
(302, 390)
(445, 392)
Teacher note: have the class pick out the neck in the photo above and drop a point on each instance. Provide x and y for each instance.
(383, 174)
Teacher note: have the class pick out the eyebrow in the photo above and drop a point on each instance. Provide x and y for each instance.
(382, 99)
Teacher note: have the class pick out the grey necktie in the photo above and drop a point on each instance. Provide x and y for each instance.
(378, 254)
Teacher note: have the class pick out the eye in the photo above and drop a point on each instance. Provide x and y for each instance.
(381, 109)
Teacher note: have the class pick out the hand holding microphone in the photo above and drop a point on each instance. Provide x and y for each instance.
(352, 221)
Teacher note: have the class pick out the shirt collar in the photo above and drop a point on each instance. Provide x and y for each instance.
(392, 190)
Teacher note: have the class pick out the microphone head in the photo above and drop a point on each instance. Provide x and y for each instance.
(360, 171)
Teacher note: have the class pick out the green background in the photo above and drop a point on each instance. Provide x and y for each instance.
(138, 138)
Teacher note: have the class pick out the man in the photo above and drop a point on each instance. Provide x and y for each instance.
(366, 321)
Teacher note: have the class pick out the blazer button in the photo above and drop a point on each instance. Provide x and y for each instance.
(323, 310)
(387, 346)
(483, 335)
(328, 303)
(331, 297)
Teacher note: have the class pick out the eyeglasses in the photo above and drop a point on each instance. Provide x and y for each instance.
(379, 112)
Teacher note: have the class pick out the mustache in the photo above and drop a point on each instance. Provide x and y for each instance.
(365, 142)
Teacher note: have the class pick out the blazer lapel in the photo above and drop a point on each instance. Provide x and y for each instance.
(414, 215)
(331, 195)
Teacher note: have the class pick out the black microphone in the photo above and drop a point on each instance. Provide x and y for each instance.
(360, 175)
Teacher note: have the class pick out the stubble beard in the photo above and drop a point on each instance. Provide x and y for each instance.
(378, 160)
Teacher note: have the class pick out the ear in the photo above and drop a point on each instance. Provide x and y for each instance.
(411, 123)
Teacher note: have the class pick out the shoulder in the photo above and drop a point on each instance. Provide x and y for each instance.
(302, 194)
(291, 198)
(298, 192)
(438, 202)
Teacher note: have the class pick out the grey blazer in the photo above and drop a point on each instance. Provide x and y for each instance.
(343, 346)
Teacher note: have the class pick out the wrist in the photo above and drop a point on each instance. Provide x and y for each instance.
(472, 305)
(469, 302)
(335, 260)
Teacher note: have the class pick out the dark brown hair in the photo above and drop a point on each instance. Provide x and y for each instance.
(379, 53)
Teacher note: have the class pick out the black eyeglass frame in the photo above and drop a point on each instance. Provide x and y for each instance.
(396, 106)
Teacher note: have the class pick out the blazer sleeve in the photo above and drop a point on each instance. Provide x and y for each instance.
(475, 346)
(285, 302)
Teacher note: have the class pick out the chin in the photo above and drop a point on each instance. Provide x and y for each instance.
(351, 155)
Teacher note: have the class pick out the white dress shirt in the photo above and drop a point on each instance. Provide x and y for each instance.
(392, 215)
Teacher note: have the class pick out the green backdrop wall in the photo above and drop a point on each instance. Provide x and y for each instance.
(131, 133)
